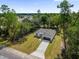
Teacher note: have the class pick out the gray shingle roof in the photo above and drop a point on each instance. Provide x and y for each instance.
(47, 33)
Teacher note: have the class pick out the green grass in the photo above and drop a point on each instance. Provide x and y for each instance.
(54, 48)
(2, 42)
(29, 45)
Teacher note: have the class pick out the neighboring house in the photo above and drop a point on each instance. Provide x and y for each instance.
(45, 34)
(22, 16)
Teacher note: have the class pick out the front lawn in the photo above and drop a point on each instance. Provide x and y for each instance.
(29, 45)
(54, 48)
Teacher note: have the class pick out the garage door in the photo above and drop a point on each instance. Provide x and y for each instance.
(46, 38)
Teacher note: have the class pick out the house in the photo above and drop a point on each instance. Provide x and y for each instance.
(45, 34)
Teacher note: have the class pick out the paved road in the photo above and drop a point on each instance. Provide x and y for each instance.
(9, 53)
(41, 49)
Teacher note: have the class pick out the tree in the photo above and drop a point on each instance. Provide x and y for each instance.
(55, 21)
(3, 28)
(38, 15)
(65, 20)
(73, 38)
(12, 24)
(9, 24)
(4, 8)
(13, 10)
(26, 26)
(73, 44)
(75, 18)
(44, 20)
(36, 19)
(38, 11)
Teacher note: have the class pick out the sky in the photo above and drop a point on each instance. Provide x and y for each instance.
(31, 6)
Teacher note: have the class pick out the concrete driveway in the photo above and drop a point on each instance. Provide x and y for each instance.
(9, 53)
(41, 49)
(2, 57)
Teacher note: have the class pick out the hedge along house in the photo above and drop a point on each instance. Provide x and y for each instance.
(45, 34)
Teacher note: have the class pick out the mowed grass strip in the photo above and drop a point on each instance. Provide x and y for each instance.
(28, 46)
(54, 48)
